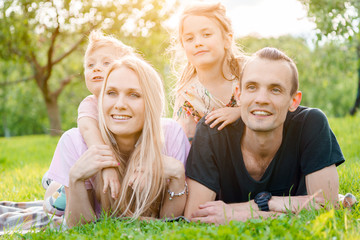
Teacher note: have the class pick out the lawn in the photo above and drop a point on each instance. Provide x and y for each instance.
(23, 161)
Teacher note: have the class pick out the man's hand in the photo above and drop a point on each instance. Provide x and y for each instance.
(226, 115)
(111, 180)
(214, 212)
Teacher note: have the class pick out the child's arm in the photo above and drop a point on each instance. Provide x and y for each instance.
(183, 115)
(226, 115)
(90, 132)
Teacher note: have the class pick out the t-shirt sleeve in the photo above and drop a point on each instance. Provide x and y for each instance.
(176, 143)
(201, 163)
(69, 149)
(319, 146)
(88, 108)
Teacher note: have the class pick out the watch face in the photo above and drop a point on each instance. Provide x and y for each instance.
(262, 196)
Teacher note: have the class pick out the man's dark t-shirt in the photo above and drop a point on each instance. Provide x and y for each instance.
(215, 159)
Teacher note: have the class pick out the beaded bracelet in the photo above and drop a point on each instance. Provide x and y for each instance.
(172, 194)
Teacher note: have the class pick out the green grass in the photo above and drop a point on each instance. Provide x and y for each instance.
(23, 161)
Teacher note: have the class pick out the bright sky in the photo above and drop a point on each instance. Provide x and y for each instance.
(267, 18)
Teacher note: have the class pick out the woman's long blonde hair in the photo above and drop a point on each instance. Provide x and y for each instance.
(145, 195)
(234, 57)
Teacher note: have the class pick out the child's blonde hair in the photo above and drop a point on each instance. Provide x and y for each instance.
(234, 57)
(97, 40)
(145, 195)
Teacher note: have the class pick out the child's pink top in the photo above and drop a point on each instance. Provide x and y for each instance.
(88, 108)
(72, 145)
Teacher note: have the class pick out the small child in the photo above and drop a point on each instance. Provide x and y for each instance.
(207, 83)
(100, 53)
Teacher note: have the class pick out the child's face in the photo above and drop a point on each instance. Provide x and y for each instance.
(203, 42)
(96, 65)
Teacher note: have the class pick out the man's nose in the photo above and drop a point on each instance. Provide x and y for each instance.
(262, 96)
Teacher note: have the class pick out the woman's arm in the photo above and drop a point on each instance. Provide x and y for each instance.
(174, 171)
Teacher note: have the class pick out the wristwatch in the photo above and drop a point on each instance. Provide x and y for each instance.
(262, 200)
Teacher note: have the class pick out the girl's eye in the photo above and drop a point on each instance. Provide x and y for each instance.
(106, 63)
(207, 35)
(90, 65)
(188, 39)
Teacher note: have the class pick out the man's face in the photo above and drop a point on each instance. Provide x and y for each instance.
(264, 95)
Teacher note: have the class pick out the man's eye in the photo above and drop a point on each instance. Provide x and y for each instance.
(276, 90)
(251, 87)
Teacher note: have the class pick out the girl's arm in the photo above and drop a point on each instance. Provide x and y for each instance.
(79, 201)
(89, 129)
(226, 115)
(183, 115)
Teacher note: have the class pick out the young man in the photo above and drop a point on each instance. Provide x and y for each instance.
(276, 150)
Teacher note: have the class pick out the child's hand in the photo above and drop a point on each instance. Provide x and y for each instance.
(226, 115)
(111, 179)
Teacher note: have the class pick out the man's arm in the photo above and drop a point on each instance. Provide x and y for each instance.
(326, 180)
(198, 194)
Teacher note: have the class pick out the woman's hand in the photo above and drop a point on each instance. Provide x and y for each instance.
(226, 115)
(93, 160)
(173, 168)
(111, 180)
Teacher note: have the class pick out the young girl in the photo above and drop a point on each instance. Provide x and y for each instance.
(207, 83)
(150, 152)
(100, 53)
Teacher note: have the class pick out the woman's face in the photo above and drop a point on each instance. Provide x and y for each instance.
(123, 104)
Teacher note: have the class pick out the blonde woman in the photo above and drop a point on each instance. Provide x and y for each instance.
(150, 152)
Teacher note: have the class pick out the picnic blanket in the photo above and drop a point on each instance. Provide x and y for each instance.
(22, 217)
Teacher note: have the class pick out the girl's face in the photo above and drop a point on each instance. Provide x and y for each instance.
(203, 41)
(124, 104)
(96, 65)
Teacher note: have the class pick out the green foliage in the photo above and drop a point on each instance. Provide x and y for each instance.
(24, 160)
(47, 39)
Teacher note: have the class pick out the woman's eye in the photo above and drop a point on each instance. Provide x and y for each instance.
(107, 63)
(111, 93)
(207, 34)
(135, 95)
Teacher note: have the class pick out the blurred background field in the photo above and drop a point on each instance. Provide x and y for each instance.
(41, 67)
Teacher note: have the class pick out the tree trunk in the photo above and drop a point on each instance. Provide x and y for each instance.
(357, 100)
(52, 108)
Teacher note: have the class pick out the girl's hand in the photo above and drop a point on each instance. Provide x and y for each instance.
(93, 160)
(225, 115)
(111, 180)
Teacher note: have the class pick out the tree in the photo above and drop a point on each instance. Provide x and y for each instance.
(41, 34)
(338, 18)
